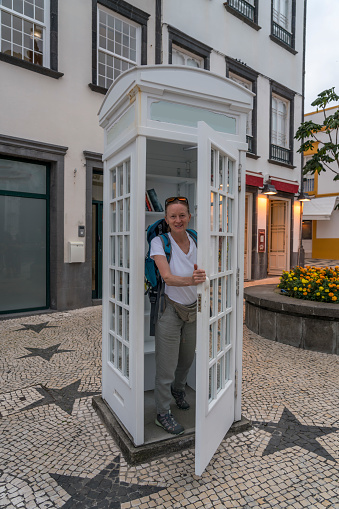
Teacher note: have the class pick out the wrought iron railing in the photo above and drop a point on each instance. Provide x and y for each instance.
(243, 7)
(250, 143)
(282, 34)
(281, 154)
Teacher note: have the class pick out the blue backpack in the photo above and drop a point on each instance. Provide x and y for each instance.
(154, 284)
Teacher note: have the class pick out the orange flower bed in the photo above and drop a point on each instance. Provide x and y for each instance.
(311, 283)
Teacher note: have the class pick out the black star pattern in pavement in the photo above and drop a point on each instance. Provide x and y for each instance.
(104, 491)
(64, 397)
(37, 327)
(44, 353)
(289, 432)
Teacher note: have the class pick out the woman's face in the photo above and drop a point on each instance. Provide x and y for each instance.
(177, 217)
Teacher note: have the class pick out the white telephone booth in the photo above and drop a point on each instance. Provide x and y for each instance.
(182, 132)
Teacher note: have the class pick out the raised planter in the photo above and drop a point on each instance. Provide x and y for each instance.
(300, 323)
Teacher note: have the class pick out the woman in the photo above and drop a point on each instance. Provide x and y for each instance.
(175, 330)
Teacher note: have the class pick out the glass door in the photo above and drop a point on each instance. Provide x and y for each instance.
(216, 320)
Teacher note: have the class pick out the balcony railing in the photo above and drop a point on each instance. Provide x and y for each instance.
(309, 185)
(243, 7)
(281, 154)
(250, 143)
(282, 34)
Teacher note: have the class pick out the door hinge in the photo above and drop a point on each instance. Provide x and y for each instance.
(236, 383)
(199, 303)
(239, 177)
(237, 281)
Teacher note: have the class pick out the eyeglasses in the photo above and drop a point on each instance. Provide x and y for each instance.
(176, 198)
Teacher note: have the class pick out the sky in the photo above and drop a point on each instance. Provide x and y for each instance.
(322, 49)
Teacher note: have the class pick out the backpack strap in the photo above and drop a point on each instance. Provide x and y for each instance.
(193, 234)
(166, 244)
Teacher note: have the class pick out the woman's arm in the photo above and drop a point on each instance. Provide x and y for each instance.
(198, 275)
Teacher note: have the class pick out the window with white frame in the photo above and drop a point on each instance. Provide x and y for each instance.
(181, 56)
(282, 13)
(119, 43)
(247, 84)
(308, 179)
(24, 30)
(280, 122)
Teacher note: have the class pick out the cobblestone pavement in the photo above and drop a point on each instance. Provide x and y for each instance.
(55, 453)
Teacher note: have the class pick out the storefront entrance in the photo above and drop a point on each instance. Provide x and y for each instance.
(24, 234)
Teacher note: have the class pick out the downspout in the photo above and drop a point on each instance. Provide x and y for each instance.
(301, 252)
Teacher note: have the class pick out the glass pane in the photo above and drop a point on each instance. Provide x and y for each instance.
(213, 155)
(230, 177)
(119, 285)
(23, 248)
(221, 286)
(119, 366)
(127, 251)
(211, 383)
(221, 257)
(128, 176)
(229, 215)
(213, 297)
(112, 272)
(227, 365)
(113, 217)
(222, 179)
(121, 180)
(222, 214)
(228, 291)
(219, 374)
(221, 335)
(228, 329)
(126, 338)
(22, 177)
(213, 211)
(126, 288)
(214, 253)
(126, 361)
(211, 342)
(112, 349)
(119, 320)
(127, 214)
(112, 316)
(229, 254)
(113, 258)
(97, 186)
(120, 251)
(113, 184)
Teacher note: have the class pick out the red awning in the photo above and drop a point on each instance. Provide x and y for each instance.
(254, 180)
(285, 186)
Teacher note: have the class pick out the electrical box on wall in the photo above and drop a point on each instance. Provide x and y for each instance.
(261, 241)
(76, 252)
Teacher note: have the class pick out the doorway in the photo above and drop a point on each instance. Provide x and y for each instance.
(97, 212)
(248, 237)
(278, 236)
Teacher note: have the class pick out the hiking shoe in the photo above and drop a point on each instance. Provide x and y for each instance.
(179, 397)
(169, 424)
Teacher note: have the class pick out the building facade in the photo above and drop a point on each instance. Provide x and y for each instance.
(320, 225)
(58, 59)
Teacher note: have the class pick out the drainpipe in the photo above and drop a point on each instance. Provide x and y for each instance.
(301, 252)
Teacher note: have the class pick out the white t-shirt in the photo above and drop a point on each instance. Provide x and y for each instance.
(181, 264)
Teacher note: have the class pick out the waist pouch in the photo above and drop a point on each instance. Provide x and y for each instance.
(185, 313)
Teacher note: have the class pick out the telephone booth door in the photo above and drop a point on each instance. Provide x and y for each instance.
(148, 123)
(218, 303)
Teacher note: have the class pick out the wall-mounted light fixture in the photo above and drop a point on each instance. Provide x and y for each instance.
(303, 196)
(269, 189)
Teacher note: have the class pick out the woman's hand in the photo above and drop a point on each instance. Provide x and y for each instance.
(198, 276)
